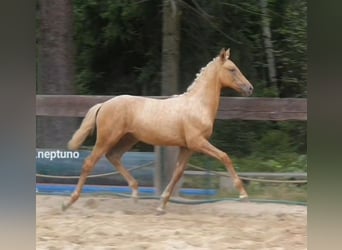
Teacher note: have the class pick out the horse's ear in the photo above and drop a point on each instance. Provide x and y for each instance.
(222, 55)
(227, 54)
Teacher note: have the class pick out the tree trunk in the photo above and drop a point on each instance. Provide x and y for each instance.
(170, 48)
(167, 156)
(266, 30)
(55, 68)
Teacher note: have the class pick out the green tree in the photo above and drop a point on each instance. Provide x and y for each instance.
(118, 47)
(291, 47)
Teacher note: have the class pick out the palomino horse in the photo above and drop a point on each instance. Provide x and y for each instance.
(184, 120)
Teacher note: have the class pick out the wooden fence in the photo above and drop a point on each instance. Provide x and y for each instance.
(242, 108)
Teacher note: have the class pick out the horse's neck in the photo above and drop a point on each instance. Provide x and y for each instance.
(206, 90)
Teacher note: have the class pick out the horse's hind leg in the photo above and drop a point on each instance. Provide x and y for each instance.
(88, 166)
(114, 156)
(183, 158)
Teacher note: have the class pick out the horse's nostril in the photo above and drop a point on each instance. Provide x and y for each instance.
(251, 88)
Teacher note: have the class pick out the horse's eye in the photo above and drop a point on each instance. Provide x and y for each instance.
(232, 70)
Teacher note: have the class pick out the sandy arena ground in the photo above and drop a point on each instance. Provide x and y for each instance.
(112, 223)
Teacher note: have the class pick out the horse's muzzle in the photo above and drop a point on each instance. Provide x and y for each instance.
(248, 90)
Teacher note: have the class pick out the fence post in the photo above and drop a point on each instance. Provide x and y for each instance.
(166, 160)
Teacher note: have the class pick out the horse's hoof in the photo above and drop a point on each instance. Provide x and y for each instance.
(64, 207)
(244, 198)
(135, 196)
(160, 211)
(135, 199)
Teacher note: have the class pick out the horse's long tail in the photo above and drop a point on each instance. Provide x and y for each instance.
(87, 127)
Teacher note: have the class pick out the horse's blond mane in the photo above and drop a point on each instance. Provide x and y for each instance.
(198, 76)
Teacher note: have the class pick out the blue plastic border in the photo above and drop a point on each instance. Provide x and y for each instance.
(101, 189)
(149, 193)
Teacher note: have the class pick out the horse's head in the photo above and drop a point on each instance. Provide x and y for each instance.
(230, 76)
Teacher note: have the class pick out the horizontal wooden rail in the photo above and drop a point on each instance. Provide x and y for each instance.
(241, 108)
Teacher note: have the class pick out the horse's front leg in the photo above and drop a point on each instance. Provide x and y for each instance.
(183, 158)
(205, 147)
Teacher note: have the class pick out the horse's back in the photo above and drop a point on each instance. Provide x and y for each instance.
(154, 121)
